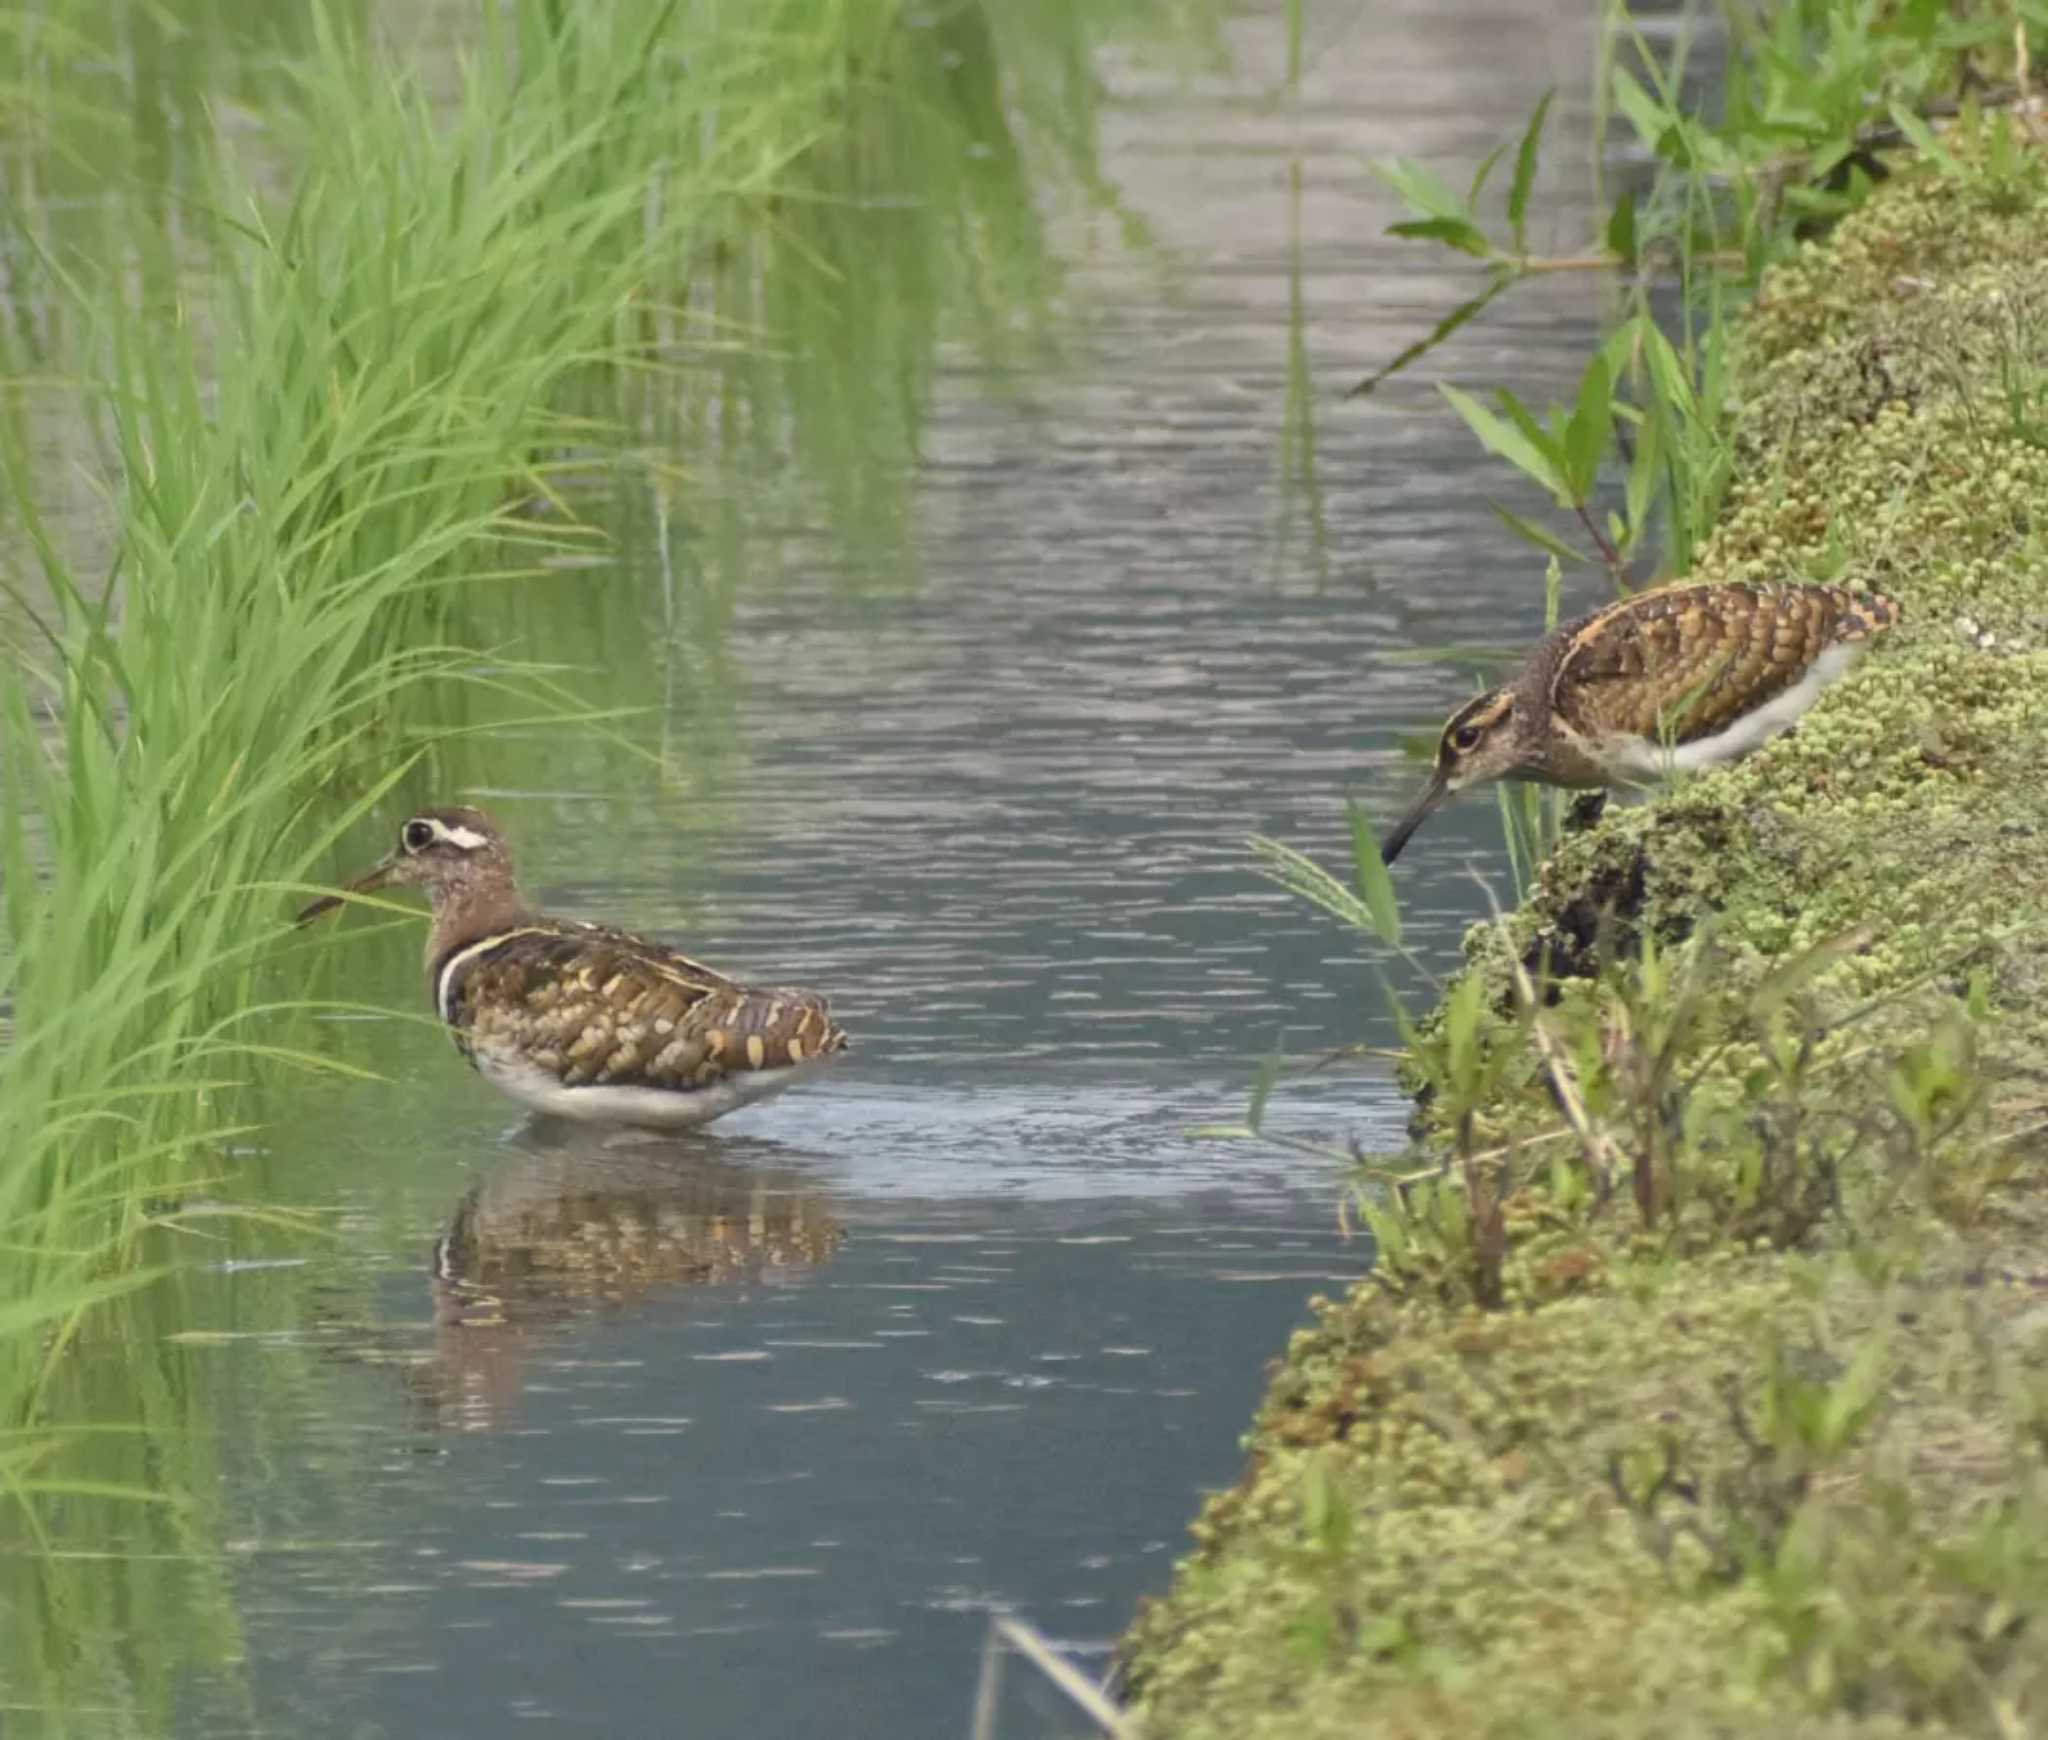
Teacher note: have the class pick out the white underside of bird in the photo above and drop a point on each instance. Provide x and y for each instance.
(1646, 758)
(648, 1108)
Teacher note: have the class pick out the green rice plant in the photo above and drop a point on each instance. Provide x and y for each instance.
(287, 534)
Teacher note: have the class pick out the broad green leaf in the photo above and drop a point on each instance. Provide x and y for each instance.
(1621, 230)
(1462, 1009)
(1479, 176)
(1668, 372)
(1525, 175)
(1437, 334)
(1454, 232)
(1560, 436)
(1677, 145)
(1824, 160)
(1525, 448)
(1549, 441)
(1541, 536)
(1645, 114)
(1925, 140)
(1623, 348)
(1850, 1403)
(1590, 429)
(1418, 186)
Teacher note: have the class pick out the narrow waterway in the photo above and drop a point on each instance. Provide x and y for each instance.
(745, 1434)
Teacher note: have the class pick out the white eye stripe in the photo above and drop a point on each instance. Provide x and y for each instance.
(462, 838)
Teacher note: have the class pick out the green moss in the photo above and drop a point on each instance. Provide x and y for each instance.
(1755, 1442)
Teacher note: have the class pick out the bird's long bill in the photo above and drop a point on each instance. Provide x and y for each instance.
(374, 877)
(1433, 795)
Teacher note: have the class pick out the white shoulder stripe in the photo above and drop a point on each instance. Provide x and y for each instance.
(448, 980)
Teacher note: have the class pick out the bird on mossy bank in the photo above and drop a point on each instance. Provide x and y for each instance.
(578, 1021)
(1671, 680)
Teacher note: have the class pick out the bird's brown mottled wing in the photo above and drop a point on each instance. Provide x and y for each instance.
(1683, 662)
(599, 1008)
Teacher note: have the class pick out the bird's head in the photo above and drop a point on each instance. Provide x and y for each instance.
(448, 853)
(1480, 741)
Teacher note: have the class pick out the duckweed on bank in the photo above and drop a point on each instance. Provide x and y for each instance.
(1720, 1404)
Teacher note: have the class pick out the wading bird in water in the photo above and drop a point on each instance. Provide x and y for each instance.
(582, 1022)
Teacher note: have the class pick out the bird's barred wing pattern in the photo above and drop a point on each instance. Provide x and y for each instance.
(599, 1008)
(1684, 662)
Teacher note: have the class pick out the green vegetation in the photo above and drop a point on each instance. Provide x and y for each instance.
(1699, 1383)
(317, 344)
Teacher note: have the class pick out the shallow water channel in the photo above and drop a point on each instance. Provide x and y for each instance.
(745, 1434)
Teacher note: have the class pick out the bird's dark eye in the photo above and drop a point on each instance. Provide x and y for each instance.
(418, 836)
(1465, 737)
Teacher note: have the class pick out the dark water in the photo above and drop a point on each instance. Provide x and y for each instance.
(747, 1440)
(746, 1434)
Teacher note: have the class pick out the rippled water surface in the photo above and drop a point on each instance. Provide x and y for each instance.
(753, 1435)
(745, 1434)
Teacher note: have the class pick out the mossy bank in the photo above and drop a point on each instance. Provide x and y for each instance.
(1720, 1405)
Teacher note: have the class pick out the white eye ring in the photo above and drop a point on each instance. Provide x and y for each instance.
(418, 835)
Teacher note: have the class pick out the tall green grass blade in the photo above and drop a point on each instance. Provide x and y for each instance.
(1301, 875)
(1375, 884)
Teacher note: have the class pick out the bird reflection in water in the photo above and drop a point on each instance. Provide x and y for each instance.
(579, 1226)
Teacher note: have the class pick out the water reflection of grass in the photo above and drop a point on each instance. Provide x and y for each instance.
(328, 356)
(114, 1594)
